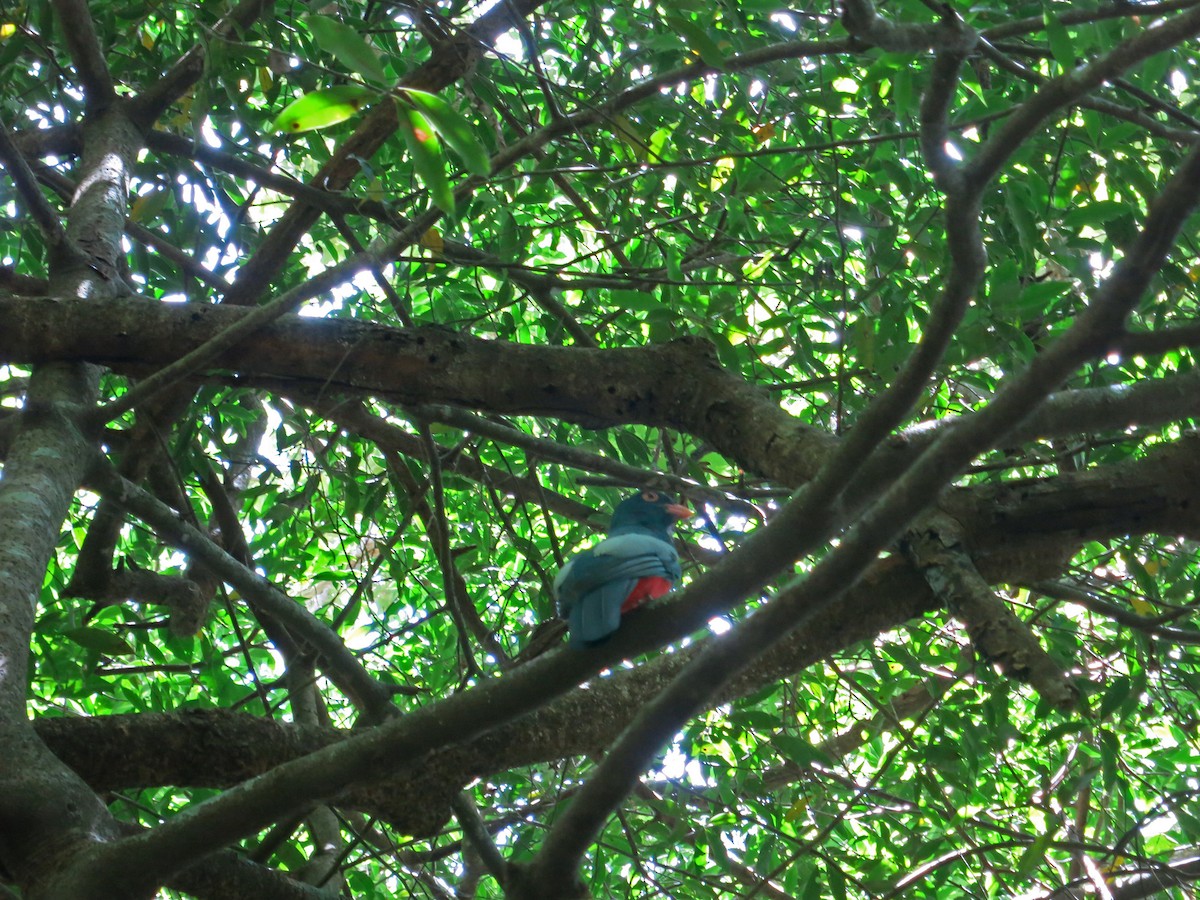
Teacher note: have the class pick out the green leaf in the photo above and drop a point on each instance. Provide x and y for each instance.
(348, 47)
(800, 750)
(1060, 41)
(1020, 205)
(698, 40)
(633, 448)
(1096, 213)
(454, 129)
(1038, 297)
(1115, 695)
(100, 640)
(12, 47)
(716, 850)
(1034, 854)
(147, 206)
(322, 108)
(835, 880)
(427, 158)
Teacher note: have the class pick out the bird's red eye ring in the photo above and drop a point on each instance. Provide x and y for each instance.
(650, 496)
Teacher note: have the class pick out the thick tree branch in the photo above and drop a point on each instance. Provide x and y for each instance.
(227, 874)
(348, 355)
(936, 104)
(24, 285)
(182, 596)
(79, 30)
(936, 548)
(433, 365)
(862, 21)
(44, 806)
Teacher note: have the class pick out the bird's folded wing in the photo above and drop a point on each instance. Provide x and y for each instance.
(652, 551)
(597, 614)
(629, 556)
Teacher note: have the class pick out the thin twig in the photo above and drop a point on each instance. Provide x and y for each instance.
(1117, 10)
(631, 475)
(475, 830)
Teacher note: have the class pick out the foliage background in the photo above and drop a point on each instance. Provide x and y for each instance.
(707, 245)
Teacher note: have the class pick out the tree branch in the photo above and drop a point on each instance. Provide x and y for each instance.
(42, 803)
(1162, 340)
(1153, 627)
(148, 106)
(1112, 407)
(592, 462)
(1115, 10)
(340, 664)
(1070, 87)
(862, 21)
(475, 831)
(424, 365)
(24, 285)
(79, 31)
(936, 548)
(46, 217)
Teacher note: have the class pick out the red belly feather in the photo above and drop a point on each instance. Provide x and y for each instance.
(645, 590)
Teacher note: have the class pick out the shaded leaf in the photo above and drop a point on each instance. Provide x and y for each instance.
(348, 47)
(698, 39)
(1060, 40)
(100, 640)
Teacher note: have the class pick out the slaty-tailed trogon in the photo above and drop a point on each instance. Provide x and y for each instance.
(634, 564)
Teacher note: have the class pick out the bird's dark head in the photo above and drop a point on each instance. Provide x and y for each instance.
(648, 511)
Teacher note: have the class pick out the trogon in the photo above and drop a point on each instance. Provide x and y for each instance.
(636, 563)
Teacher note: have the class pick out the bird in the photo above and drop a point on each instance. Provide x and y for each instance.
(636, 563)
